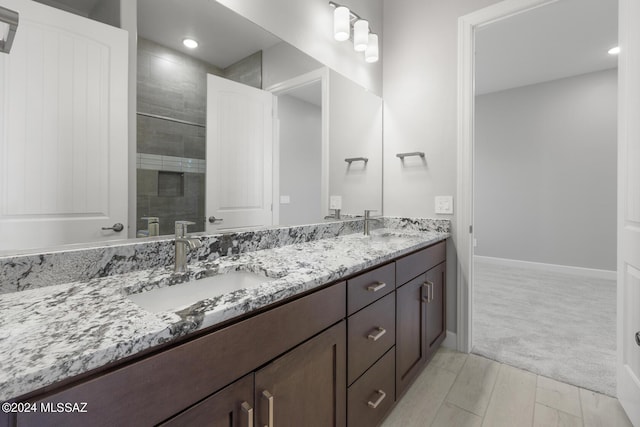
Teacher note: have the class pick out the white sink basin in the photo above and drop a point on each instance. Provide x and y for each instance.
(172, 298)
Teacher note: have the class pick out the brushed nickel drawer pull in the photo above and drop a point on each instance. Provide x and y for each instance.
(376, 287)
(246, 408)
(269, 397)
(375, 404)
(376, 337)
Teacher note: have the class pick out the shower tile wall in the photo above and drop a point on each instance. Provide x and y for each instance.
(171, 85)
(171, 154)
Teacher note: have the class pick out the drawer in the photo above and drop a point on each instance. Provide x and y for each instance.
(370, 398)
(418, 262)
(371, 332)
(157, 387)
(366, 288)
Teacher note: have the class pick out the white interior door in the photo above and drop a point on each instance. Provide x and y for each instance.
(629, 211)
(63, 130)
(239, 155)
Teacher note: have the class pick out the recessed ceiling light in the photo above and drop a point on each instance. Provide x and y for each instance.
(190, 43)
(614, 50)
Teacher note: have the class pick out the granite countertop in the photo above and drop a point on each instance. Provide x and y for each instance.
(56, 332)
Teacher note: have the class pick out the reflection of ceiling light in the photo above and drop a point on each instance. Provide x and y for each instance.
(190, 43)
(614, 50)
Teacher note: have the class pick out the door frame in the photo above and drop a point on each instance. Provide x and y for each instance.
(320, 75)
(463, 232)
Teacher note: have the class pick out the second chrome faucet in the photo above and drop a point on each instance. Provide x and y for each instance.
(184, 243)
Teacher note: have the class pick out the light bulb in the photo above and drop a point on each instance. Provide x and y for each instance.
(341, 23)
(360, 35)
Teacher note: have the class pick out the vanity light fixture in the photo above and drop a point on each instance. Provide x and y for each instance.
(614, 50)
(8, 27)
(363, 39)
(190, 43)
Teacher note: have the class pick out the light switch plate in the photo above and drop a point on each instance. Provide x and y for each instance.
(285, 200)
(335, 202)
(444, 205)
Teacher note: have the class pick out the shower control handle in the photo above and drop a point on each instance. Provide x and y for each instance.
(117, 227)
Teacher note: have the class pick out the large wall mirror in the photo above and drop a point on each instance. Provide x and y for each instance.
(190, 148)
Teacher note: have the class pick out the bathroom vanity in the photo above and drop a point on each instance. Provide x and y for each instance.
(339, 350)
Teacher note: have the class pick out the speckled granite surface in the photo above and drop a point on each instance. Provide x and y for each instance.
(55, 332)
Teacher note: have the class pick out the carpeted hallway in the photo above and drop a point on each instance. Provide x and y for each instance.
(557, 325)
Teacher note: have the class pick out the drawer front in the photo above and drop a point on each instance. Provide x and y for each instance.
(154, 389)
(371, 397)
(368, 287)
(371, 332)
(418, 262)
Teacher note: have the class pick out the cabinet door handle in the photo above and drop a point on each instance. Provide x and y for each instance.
(376, 336)
(376, 287)
(378, 401)
(247, 409)
(638, 337)
(426, 285)
(269, 398)
(429, 286)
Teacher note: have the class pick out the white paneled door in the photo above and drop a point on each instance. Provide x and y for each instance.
(629, 211)
(63, 130)
(239, 155)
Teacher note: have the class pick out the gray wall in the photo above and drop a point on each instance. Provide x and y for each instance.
(300, 165)
(545, 175)
(420, 46)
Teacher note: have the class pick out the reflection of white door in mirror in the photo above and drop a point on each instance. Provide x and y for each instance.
(239, 155)
(63, 139)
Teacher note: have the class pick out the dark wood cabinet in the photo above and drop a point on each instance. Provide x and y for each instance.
(373, 395)
(411, 347)
(435, 311)
(306, 386)
(420, 311)
(230, 407)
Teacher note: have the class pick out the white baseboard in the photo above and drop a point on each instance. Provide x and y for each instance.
(450, 341)
(566, 269)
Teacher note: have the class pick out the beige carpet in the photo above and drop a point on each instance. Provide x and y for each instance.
(557, 325)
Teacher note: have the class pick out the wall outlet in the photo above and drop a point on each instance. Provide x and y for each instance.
(444, 205)
(285, 200)
(335, 202)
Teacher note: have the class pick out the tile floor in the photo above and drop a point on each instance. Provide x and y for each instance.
(460, 390)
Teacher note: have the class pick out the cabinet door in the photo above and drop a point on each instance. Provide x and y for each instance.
(411, 347)
(307, 385)
(436, 328)
(230, 407)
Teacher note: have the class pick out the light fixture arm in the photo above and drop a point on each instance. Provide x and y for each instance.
(354, 16)
(10, 18)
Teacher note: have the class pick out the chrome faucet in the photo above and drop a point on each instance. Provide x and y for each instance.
(182, 243)
(368, 219)
(336, 214)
